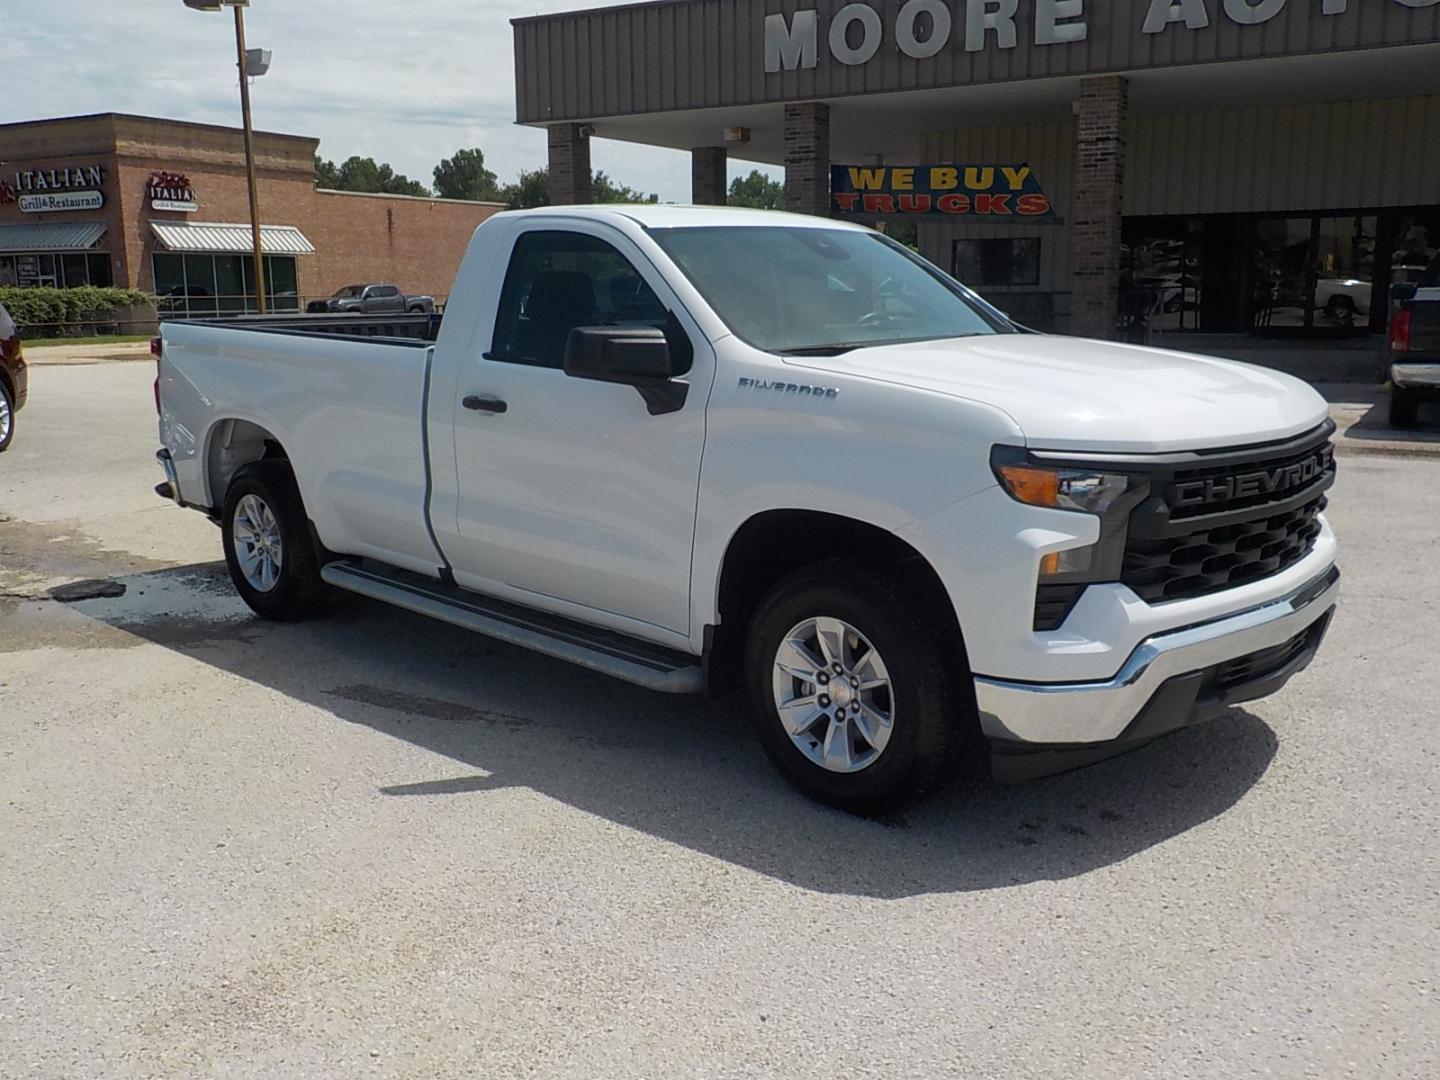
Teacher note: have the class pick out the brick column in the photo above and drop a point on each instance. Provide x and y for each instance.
(707, 176)
(569, 165)
(1095, 217)
(807, 158)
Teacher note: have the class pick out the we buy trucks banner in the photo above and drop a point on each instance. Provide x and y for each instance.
(971, 191)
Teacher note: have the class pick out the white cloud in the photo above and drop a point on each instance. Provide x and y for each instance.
(404, 83)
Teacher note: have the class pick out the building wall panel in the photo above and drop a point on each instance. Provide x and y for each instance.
(1300, 157)
(570, 66)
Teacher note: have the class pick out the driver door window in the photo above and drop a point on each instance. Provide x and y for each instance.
(558, 281)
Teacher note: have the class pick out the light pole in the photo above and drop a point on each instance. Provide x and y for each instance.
(243, 65)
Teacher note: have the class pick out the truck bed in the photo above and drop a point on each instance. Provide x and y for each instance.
(411, 330)
(350, 407)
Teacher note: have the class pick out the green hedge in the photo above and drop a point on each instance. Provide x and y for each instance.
(55, 312)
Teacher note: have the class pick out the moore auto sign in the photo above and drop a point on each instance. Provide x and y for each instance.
(924, 28)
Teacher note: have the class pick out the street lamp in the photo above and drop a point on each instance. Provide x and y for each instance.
(259, 65)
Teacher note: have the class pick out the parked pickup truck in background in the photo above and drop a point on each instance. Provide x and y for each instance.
(374, 299)
(1415, 351)
(696, 447)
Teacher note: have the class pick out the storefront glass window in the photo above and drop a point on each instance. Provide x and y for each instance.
(99, 269)
(1417, 246)
(200, 289)
(74, 270)
(170, 284)
(66, 270)
(1279, 282)
(202, 286)
(1001, 261)
(230, 289)
(1161, 281)
(1344, 271)
(1315, 272)
(281, 283)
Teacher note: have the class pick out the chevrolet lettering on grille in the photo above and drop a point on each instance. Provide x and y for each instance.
(1276, 481)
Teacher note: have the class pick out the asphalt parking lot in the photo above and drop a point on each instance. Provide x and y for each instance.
(378, 846)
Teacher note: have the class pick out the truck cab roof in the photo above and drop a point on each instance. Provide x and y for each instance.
(655, 216)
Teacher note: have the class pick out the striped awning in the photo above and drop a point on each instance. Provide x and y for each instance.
(51, 236)
(216, 239)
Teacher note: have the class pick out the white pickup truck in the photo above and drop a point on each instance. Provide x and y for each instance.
(689, 447)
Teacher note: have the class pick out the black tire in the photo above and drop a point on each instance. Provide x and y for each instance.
(298, 591)
(932, 721)
(1404, 408)
(7, 408)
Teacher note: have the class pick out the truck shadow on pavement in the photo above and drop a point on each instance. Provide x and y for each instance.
(685, 770)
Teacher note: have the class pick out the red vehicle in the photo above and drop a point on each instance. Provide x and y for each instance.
(13, 378)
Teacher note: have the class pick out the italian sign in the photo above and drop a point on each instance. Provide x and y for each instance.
(973, 191)
(66, 200)
(171, 191)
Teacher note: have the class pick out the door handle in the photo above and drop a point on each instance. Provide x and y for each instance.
(479, 404)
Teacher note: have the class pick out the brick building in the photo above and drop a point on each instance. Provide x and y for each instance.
(1241, 168)
(163, 206)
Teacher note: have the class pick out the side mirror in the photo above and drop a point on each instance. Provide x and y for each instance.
(637, 356)
(1401, 292)
(623, 354)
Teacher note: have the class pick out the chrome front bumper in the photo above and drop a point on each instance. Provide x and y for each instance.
(1088, 713)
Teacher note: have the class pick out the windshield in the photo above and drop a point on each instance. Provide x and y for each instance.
(349, 291)
(822, 291)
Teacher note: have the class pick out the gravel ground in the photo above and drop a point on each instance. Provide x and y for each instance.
(376, 846)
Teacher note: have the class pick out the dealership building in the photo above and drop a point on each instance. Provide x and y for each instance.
(1227, 167)
(163, 206)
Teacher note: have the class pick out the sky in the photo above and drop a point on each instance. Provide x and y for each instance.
(408, 83)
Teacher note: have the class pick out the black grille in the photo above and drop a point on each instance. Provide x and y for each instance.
(1209, 560)
(1203, 491)
(1215, 521)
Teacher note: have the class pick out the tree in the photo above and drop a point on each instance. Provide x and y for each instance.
(605, 190)
(465, 176)
(363, 174)
(327, 174)
(757, 191)
(532, 188)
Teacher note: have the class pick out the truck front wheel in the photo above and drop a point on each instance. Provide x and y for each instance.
(267, 543)
(852, 695)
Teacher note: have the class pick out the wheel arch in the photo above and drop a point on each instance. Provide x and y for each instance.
(772, 544)
(233, 443)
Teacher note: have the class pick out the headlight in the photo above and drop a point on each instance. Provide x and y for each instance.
(1058, 487)
(1076, 487)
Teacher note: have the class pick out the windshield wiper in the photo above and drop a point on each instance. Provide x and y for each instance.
(838, 349)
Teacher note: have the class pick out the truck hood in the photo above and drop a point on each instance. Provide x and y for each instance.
(1076, 394)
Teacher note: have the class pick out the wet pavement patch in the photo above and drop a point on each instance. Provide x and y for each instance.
(94, 589)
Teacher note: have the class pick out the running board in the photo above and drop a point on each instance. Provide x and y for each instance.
(605, 651)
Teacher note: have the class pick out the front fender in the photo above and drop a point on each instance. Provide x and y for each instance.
(834, 442)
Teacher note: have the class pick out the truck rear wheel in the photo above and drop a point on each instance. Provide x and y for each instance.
(851, 693)
(268, 549)
(1404, 408)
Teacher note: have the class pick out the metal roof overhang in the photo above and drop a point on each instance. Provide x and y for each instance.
(222, 239)
(51, 236)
